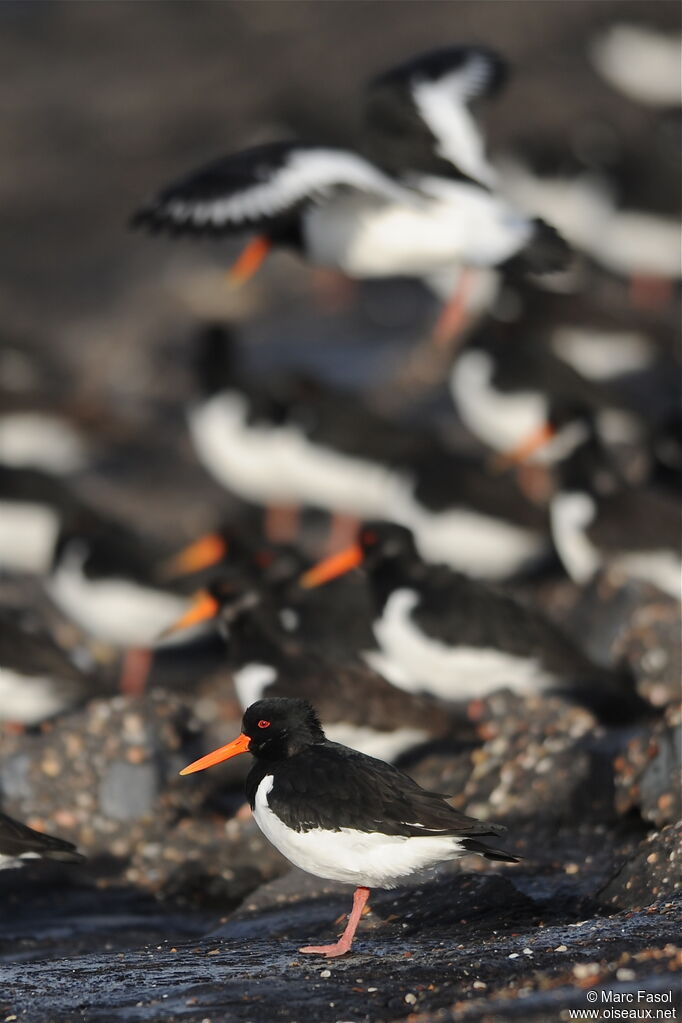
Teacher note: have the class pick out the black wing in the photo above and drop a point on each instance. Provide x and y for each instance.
(259, 187)
(17, 840)
(330, 786)
(419, 117)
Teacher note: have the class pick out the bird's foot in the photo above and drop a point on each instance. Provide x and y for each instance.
(329, 951)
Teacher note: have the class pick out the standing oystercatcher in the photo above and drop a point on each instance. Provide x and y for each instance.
(37, 678)
(599, 520)
(461, 639)
(19, 843)
(356, 705)
(340, 814)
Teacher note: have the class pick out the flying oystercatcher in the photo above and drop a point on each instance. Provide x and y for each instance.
(340, 814)
(19, 843)
(458, 638)
(429, 209)
(599, 520)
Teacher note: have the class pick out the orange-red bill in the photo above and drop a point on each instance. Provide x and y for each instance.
(233, 749)
(332, 567)
(205, 552)
(203, 608)
(528, 446)
(250, 259)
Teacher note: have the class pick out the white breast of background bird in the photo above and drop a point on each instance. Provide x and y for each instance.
(417, 662)
(266, 463)
(118, 611)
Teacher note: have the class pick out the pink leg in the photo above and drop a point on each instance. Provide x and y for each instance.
(135, 671)
(452, 319)
(342, 531)
(650, 291)
(281, 523)
(344, 943)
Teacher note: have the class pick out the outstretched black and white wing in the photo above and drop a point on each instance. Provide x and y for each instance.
(259, 187)
(419, 113)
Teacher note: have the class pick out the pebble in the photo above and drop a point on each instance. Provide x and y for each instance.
(411, 999)
(325, 973)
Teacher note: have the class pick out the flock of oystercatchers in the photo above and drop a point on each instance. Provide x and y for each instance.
(574, 465)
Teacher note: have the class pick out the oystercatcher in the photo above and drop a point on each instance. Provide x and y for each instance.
(19, 843)
(341, 815)
(598, 520)
(341, 210)
(458, 638)
(37, 679)
(355, 704)
(518, 397)
(296, 441)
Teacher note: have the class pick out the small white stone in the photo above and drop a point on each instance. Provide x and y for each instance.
(528, 951)
(514, 955)
(624, 974)
(561, 948)
(411, 999)
(325, 973)
(479, 985)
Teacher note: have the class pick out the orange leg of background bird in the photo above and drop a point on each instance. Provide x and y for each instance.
(344, 943)
(281, 523)
(135, 671)
(453, 316)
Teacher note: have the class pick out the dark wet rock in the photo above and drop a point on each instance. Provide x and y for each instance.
(651, 877)
(647, 771)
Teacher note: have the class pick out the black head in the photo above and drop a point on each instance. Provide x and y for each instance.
(386, 541)
(280, 728)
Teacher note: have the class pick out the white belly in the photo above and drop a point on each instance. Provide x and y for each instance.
(354, 857)
(28, 533)
(455, 223)
(662, 568)
(280, 465)
(381, 745)
(115, 611)
(570, 515)
(500, 420)
(423, 664)
(28, 700)
(41, 441)
(468, 541)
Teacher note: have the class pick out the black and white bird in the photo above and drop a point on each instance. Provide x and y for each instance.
(19, 843)
(460, 639)
(356, 705)
(341, 815)
(299, 442)
(431, 208)
(598, 520)
(518, 397)
(38, 680)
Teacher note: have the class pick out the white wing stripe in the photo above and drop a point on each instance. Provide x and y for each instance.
(308, 174)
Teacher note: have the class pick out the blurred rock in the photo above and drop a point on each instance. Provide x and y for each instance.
(539, 756)
(648, 772)
(616, 619)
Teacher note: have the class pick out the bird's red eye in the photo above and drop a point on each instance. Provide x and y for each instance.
(263, 724)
